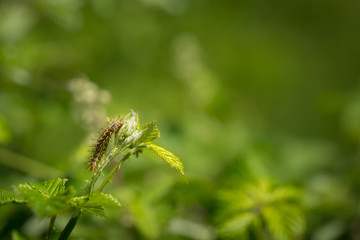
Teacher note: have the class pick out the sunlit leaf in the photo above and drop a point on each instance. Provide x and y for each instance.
(169, 158)
(238, 224)
(8, 197)
(50, 188)
(150, 132)
(106, 200)
(131, 124)
(95, 209)
(254, 207)
(96, 203)
(284, 222)
(45, 198)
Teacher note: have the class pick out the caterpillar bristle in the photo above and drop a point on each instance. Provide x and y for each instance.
(102, 142)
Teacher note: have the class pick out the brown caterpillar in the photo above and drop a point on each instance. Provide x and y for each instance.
(103, 141)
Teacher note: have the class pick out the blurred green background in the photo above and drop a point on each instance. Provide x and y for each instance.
(264, 93)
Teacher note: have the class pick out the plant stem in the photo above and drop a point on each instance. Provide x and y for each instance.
(50, 228)
(70, 225)
(89, 190)
(108, 178)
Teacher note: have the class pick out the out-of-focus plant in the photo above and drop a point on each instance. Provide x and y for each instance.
(52, 198)
(262, 211)
(88, 102)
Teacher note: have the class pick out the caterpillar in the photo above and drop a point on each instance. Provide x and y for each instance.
(103, 141)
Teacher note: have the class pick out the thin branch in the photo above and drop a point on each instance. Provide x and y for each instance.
(70, 225)
(108, 178)
(50, 228)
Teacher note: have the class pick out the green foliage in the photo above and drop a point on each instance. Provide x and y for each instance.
(47, 198)
(270, 90)
(8, 197)
(96, 203)
(150, 132)
(48, 189)
(258, 208)
(131, 125)
(50, 198)
(168, 157)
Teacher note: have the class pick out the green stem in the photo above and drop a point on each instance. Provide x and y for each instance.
(70, 225)
(108, 178)
(90, 186)
(89, 190)
(50, 228)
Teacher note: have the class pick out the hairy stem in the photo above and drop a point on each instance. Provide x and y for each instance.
(89, 188)
(50, 228)
(108, 178)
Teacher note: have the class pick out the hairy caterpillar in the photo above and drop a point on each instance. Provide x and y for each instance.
(103, 141)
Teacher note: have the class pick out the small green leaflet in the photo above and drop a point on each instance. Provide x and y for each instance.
(50, 188)
(47, 189)
(169, 158)
(96, 203)
(131, 124)
(150, 132)
(45, 198)
(8, 197)
(262, 209)
(238, 224)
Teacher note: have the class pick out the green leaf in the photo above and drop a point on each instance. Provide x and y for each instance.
(150, 132)
(78, 201)
(284, 221)
(8, 197)
(131, 124)
(285, 194)
(238, 224)
(169, 158)
(50, 188)
(277, 211)
(106, 200)
(96, 203)
(81, 202)
(97, 210)
(45, 198)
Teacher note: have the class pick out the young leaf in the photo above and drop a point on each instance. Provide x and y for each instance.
(238, 224)
(150, 132)
(97, 210)
(8, 197)
(277, 211)
(50, 188)
(106, 200)
(285, 221)
(96, 203)
(81, 202)
(131, 124)
(168, 157)
(45, 198)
